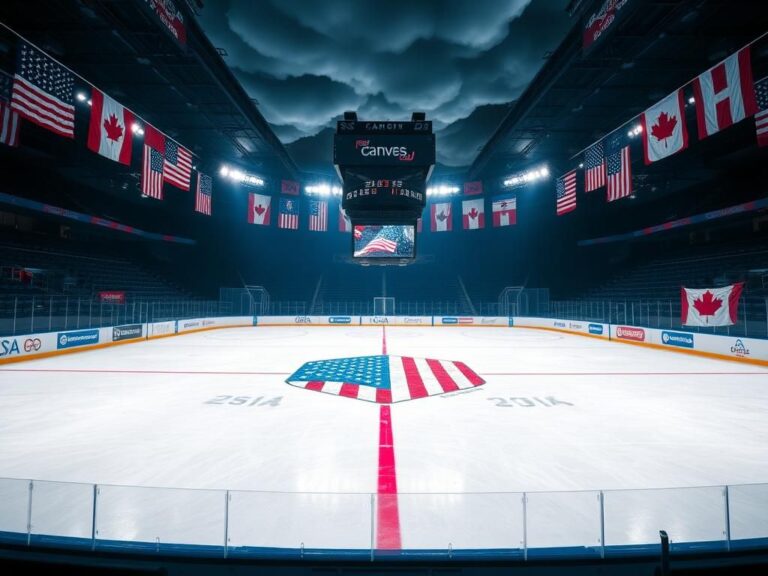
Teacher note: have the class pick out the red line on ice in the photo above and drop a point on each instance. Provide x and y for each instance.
(387, 512)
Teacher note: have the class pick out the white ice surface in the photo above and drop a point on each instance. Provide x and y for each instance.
(624, 417)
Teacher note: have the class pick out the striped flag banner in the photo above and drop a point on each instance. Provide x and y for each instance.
(152, 174)
(9, 118)
(761, 118)
(318, 215)
(177, 165)
(203, 194)
(565, 193)
(43, 91)
(618, 168)
(385, 379)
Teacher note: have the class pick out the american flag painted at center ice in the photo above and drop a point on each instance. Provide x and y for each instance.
(385, 379)
(761, 118)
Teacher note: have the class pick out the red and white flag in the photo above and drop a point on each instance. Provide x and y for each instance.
(725, 94)
(761, 117)
(203, 194)
(664, 131)
(344, 224)
(504, 210)
(289, 187)
(109, 132)
(473, 188)
(710, 306)
(473, 214)
(259, 209)
(441, 217)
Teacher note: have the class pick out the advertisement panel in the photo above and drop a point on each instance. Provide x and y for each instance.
(77, 338)
(576, 326)
(384, 150)
(127, 332)
(679, 339)
(162, 328)
(112, 296)
(15, 347)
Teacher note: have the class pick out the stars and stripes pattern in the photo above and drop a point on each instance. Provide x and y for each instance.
(177, 165)
(9, 119)
(203, 194)
(152, 174)
(318, 216)
(761, 118)
(383, 240)
(289, 214)
(43, 92)
(594, 167)
(565, 193)
(385, 379)
(618, 169)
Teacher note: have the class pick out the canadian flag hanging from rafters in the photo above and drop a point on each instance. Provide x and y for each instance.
(473, 214)
(110, 132)
(259, 209)
(441, 217)
(664, 130)
(710, 306)
(725, 94)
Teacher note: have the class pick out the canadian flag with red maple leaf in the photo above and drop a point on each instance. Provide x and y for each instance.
(473, 214)
(259, 209)
(109, 133)
(710, 306)
(441, 218)
(664, 131)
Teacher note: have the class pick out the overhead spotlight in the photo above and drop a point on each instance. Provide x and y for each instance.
(323, 190)
(136, 129)
(81, 97)
(581, 164)
(691, 100)
(224, 171)
(635, 131)
(238, 175)
(528, 176)
(90, 102)
(442, 190)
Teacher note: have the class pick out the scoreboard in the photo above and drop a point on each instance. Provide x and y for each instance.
(384, 167)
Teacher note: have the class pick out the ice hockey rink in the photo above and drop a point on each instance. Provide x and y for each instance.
(583, 426)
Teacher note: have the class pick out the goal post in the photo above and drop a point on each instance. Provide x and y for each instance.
(383, 306)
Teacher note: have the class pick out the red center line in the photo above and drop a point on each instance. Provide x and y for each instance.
(112, 371)
(387, 512)
(384, 340)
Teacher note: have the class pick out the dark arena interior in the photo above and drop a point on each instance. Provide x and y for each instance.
(364, 287)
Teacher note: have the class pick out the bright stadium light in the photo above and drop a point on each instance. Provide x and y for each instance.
(237, 175)
(81, 97)
(442, 190)
(137, 129)
(636, 131)
(691, 100)
(527, 177)
(323, 190)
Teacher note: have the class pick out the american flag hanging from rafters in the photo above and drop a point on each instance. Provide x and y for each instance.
(318, 215)
(565, 193)
(152, 174)
(618, 167)
(594, 167)
(177, 166)
(385, 379)
(43, 91)
(203, 194)
(761, 118)
(9, 118)
(289, 214)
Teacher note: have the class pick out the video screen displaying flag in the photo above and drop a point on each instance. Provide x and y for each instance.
(384, 241)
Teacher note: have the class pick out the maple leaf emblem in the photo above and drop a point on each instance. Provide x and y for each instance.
(707, 305)
(112, 128)
(664, 127)
(441, 216)
(473, 213)
(259, 209)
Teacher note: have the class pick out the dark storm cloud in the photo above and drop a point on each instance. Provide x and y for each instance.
(306, 62)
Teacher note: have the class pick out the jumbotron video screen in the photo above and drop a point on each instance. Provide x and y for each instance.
(391, 241)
